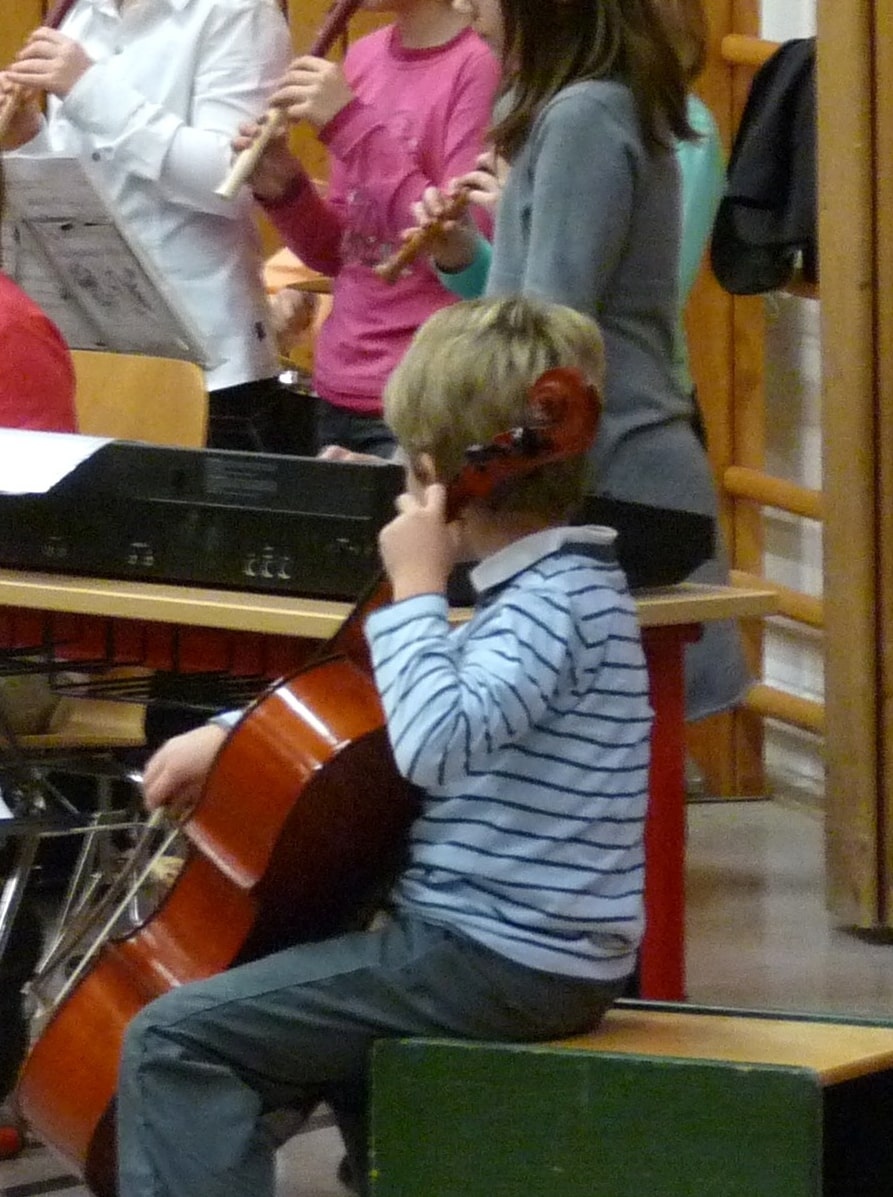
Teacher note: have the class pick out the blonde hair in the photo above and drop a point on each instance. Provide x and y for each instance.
(466, 376)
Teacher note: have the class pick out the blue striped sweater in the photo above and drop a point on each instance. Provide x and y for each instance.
(528, 728)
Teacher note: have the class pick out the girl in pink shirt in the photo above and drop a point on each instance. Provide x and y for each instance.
(409, 107)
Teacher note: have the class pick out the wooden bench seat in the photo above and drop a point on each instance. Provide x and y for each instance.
(833, 1051)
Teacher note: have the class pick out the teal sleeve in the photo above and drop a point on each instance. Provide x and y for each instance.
(471, 282)
(703, 171)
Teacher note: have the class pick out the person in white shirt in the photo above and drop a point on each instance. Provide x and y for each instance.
(149, 95)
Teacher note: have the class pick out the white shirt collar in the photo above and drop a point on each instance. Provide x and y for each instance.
(521, 554)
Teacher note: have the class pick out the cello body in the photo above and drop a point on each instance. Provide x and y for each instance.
(301, 822)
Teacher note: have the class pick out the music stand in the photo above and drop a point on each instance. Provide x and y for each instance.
(64, 247)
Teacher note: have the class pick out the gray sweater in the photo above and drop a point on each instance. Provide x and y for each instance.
(591, 218)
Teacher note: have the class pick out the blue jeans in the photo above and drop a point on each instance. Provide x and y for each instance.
(202, 1064)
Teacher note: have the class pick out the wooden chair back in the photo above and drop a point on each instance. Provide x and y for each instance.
(132, 397)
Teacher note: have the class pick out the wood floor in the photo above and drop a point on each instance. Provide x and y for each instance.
(758, 934)
(758, 938)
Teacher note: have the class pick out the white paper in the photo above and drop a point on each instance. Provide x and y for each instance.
(63, 247)
(32, 462)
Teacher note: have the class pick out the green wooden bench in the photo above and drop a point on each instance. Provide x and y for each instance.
(663, 1101)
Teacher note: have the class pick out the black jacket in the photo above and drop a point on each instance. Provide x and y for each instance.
(767, 218)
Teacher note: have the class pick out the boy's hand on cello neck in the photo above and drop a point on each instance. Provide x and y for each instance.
(419, 548)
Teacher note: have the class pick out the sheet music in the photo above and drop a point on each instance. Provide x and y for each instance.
(32, 462)
(63, 247)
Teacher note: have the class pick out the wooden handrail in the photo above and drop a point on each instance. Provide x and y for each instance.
(745, 483)
(739, 49)
(792, 604)
(788, 708)
(749, 53)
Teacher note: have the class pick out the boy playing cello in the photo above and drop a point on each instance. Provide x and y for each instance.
(519, 909)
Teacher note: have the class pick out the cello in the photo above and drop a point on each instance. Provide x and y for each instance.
(329, 819)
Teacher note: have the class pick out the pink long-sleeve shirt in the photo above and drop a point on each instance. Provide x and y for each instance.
(418, 118)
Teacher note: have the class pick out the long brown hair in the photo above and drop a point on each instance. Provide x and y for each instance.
(689, 32)
(550, 44)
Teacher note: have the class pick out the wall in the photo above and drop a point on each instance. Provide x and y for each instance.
(19, 18)
(793, 546)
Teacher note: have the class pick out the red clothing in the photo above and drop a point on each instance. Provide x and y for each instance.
(36, 370)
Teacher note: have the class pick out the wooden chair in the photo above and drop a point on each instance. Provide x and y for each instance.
(128, 397)
(285, 269)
